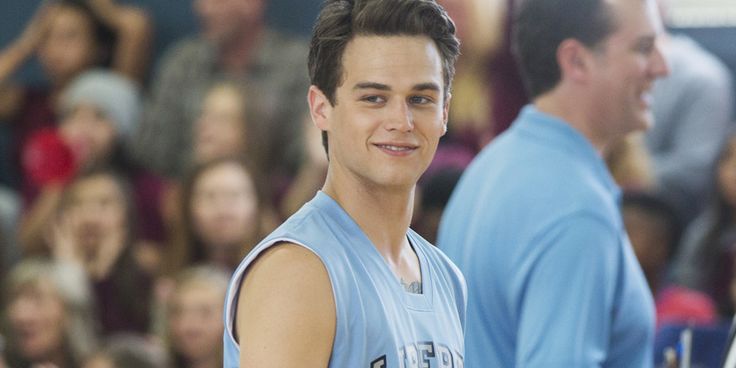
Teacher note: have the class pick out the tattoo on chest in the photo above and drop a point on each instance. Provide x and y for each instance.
(413, 287)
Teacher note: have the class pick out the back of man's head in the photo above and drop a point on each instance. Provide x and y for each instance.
(540, 26)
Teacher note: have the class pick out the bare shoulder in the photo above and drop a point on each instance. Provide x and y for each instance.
(285, 300)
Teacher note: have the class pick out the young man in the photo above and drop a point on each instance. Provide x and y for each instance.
(534, 223)
(345, 282)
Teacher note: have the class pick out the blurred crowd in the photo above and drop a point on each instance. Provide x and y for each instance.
(131, 189)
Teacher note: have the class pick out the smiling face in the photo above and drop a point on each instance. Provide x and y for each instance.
(37, 318)
(625, 68)
(389, 111)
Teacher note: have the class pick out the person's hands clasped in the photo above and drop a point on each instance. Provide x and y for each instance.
(97, 257)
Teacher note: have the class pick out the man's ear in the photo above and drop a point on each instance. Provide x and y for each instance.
(574, 60)
(446, 113)
(319, 108)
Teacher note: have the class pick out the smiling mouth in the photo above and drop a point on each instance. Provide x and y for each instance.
(396, 148)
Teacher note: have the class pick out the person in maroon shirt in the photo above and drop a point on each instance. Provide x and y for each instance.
(99, 112)
(95, 228)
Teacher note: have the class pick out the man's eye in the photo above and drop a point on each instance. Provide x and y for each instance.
(645, 48)
(419, 100)
(373, 99)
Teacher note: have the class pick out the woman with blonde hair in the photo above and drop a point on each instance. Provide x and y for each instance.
(48, 315)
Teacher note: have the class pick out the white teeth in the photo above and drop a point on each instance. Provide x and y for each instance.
(394, 148)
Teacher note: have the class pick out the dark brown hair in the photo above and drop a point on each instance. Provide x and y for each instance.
(539, 28)
(341, 20)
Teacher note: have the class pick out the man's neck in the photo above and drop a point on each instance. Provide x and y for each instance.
(383, 214)
(236, 54)
(574, 115)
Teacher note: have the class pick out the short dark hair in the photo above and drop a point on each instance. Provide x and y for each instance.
(341, 20)
(539, 28)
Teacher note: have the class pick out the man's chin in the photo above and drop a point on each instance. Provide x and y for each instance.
(645, 121)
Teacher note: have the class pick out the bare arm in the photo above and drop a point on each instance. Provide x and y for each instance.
(20, 49)
(286, 312)
(134, 36)
(17, 53)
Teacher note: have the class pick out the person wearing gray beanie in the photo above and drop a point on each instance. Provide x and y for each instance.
(116, 96)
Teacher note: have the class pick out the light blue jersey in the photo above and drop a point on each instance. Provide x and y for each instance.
(379, 324)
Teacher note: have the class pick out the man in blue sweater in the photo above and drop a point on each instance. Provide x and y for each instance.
(534, 223)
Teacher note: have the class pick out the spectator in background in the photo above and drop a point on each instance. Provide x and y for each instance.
(507, 87)
(654, 230)
(434, 191)
(534, 223)
(129, 351)
(99, 112)
(68, 37)
(479, 27)
(94, 228)
(693, 110)
(221, 129)
(630, 164)
(231, 124)
(48, 315)
(704, 261)
(234, 43)
(222, 215)
(311, 173)
(194, 318)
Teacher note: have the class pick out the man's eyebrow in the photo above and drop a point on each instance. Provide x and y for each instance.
(647, 39)
(383, 87)
(426, 86)
(371, 85)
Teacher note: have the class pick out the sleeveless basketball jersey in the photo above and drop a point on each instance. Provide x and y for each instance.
(379, 324)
